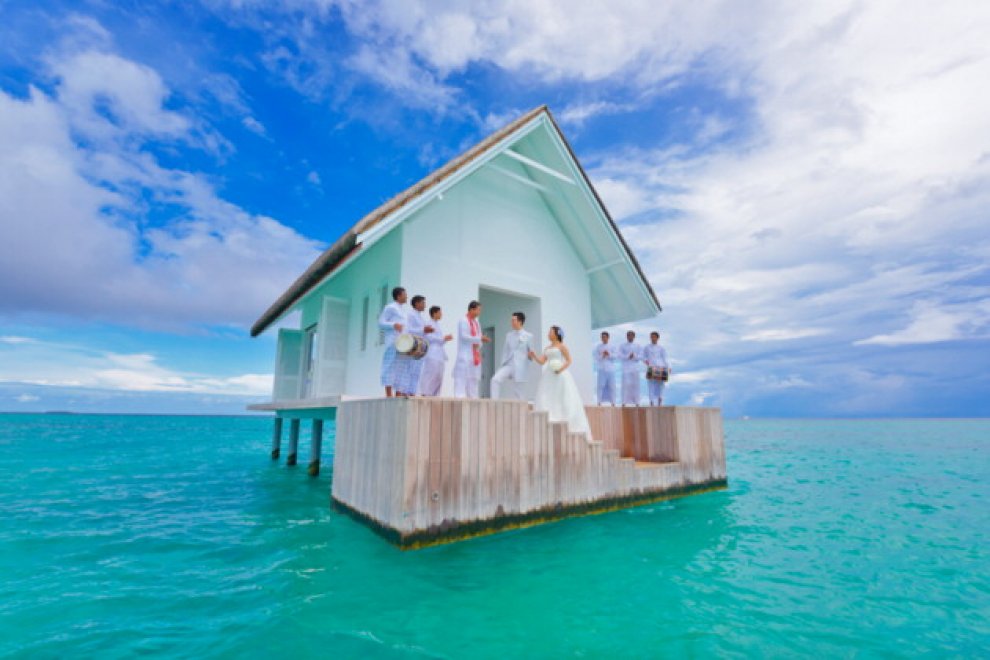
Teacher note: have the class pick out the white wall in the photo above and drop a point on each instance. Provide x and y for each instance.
(490, 231)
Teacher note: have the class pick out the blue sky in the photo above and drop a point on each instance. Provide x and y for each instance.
(807, 186)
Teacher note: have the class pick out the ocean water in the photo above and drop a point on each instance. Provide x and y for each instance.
(178, 537)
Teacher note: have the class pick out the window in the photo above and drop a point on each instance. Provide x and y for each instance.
(381, 333)
(364, 323)
(310, 342)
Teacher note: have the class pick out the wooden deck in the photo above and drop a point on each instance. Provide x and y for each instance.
(423, 471)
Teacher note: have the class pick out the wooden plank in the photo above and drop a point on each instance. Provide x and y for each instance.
(436, 461)
(425, 430)
(529, 458)
(446, 487)
(483, 488)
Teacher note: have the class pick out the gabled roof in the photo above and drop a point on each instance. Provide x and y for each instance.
(350, 244)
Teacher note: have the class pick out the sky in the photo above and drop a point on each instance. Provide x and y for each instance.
(807, 185)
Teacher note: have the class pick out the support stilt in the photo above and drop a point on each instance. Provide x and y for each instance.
(293, 442)
(314, 448)
(276, 438)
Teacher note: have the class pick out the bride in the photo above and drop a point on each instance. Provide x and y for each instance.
(557, 392)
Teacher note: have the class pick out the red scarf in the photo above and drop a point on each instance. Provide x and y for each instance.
(475, 348)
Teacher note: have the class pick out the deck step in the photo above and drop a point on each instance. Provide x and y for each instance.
(645, 465)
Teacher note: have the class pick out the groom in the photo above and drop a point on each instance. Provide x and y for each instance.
(515, 359)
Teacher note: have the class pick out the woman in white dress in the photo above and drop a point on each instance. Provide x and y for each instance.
(557, 393)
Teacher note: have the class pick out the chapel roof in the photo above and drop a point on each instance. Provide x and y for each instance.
(348, 245)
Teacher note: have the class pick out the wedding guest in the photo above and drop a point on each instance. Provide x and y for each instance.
(654, 355)
(391, 322)
(605, 363)
(431, 380)
(467, 366)
(408, 368)
(630, 355)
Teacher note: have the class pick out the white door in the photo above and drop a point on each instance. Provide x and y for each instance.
(331, 363)
(288, 365)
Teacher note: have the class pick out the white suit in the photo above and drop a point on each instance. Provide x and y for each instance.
(466, 372)
(515, 364)
(655, 356)
(431, 380)
(606, 372)
(630, 353)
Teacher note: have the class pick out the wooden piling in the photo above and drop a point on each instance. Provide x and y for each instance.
(276, 438)
(314, 448)
(293, 442)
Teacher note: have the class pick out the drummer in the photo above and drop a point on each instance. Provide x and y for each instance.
(391, 322)
(655, 357)
(408, 368)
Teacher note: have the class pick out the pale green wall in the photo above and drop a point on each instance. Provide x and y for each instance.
(369, 270)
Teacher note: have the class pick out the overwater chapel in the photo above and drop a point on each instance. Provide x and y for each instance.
(514, 222)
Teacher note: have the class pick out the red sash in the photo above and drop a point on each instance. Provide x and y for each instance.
(475, 348)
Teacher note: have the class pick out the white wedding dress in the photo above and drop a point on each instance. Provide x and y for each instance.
(558, 395)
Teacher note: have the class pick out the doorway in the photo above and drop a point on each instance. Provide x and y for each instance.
(498, 306)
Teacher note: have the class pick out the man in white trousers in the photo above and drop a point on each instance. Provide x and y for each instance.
(630, 354)
(467, 366)
(654, 355)
(514, 369)
(431, 380)
(605, 355)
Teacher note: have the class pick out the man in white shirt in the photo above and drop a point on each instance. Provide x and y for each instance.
(605, 363)
(654, 355)
(630, 354)
(467, 366)
(515, 360)
(431, 380)
(391, 322)
(408, 368)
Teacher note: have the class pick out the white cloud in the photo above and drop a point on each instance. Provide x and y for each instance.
(782, 334)
(75, 237)
(69, 365)
(27, 398)
(12, 339)
(931, 323)
(699, 398)
(106, 95)
(396, 71)
(577, 114)
(254, 125)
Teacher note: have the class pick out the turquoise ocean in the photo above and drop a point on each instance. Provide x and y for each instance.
(125, 536)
